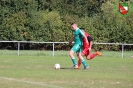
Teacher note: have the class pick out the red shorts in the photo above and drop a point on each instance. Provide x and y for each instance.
(85, 51)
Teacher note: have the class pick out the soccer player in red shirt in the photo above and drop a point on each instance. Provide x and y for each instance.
(87, 48)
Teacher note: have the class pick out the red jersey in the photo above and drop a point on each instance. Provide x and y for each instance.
(85, 44)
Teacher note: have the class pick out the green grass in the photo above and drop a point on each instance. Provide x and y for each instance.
(38, 72)
(108, 54)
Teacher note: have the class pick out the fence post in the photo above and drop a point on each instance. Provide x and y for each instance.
(18, 48)
(122, 50)
(53, 50)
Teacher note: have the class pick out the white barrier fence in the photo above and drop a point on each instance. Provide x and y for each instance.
(19, 42)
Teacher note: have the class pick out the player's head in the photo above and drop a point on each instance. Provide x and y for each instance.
(74, 26)
(83, 30)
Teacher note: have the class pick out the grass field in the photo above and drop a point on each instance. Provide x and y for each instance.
(37, 71)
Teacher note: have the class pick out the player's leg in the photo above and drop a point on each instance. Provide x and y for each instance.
(79, 63)
(91, 56)
(71, 54)
(79, 60)
(82, 59)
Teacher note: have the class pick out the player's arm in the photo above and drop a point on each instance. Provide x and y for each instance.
(91, 44)
(71, 40)
(84, 36)
(90, 41)
(86, 39)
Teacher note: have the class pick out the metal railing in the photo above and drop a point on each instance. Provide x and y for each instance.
(53, 44)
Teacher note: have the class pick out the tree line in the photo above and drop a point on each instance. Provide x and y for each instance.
(49, 21)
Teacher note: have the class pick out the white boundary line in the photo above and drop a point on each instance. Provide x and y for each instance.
(30, 82)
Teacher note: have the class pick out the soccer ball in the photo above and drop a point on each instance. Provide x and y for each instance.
(57, 66)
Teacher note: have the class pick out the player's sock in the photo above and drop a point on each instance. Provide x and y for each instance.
(93, 55)
(74, 61)
(79, 63)
(84, 63)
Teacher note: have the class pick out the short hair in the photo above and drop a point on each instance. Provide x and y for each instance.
(73, 23)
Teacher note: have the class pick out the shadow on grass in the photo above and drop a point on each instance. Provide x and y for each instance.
(65, 68)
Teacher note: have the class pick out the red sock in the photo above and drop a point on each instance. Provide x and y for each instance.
(93, 55)
(79, 63)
